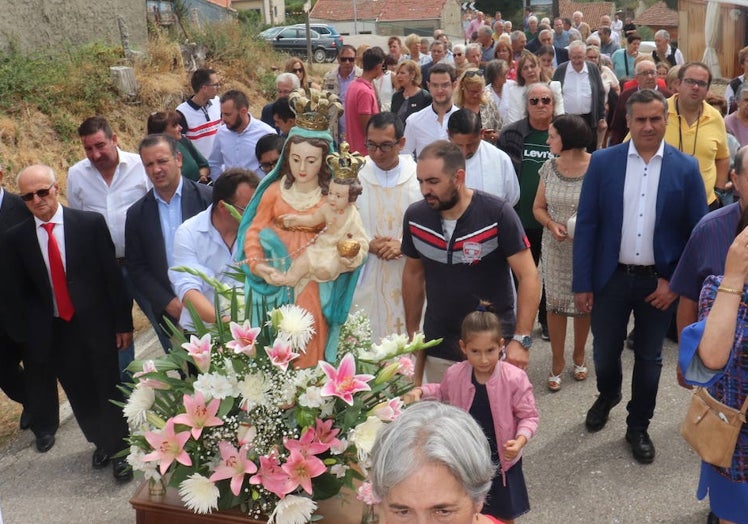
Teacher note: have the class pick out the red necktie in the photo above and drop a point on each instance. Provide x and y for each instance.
(59, 283)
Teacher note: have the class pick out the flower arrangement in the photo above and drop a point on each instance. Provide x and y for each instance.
(227, 420)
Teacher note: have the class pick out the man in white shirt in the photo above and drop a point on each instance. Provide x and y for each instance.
(430, 123)
(237, 138)
(389, 187)
(201, 113)
(108, 181)
(582, 87)
(487, 168)
(207, 243)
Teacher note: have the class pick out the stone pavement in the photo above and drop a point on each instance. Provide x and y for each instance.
(572, 476)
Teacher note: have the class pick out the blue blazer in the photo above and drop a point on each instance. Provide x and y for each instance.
(681, 202)
(144, 242)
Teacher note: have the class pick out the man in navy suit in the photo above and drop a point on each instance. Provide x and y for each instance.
(12, 212)
(153, 220)
(68, 289)
(639, 202)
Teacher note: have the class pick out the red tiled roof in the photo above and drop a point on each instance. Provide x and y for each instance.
(659, 15)
(592, 10)
(343, 9)
(412, 10)
(222, 3)
(380, 10)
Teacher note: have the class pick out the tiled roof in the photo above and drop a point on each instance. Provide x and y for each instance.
(343, 9)
(380, 10)
(659, 15)
(222, 3)
(592, 10)
(412, 10)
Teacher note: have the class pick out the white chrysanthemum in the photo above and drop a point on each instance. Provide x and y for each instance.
(140, 401)
(364, 435)
(296, 325)
(254, 390)
(199, 494)
(215, 385)
(293, 509)
(287, 394)
(312, 397)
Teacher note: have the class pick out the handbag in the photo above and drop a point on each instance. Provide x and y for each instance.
(711, 428)
(571, 226)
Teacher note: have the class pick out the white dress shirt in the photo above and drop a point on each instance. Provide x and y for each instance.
(170, 218)
(577, 91)
(640, 207)
(491, 170)
(232, 149)
(43, 238)
(88, 191)
(199, 245)
(423, 127)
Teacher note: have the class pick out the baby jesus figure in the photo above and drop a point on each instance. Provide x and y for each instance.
(340, 247)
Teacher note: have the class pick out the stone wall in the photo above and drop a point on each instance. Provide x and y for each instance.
(50, 24)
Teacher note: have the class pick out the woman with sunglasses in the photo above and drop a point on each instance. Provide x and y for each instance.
(529, 72)
(460, 58)
(470, 94)
(296, 66)
(410, 98)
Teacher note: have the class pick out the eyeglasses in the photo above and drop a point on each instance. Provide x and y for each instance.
(693, 82)
(384, 147)
(350, 59)
(297, 70)
(545, 99)
(213, 85)
(457, 54)
(267, 166)
(41, 193)
(473, 72)
(239, 208)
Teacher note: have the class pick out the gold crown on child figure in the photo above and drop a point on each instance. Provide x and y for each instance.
(345, 164)
(314, 109)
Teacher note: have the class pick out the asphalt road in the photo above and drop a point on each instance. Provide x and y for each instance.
(572, 476)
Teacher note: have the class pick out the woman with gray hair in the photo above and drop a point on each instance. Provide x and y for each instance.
(432, 461)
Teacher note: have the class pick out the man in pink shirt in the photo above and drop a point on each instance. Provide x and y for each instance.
(361, 101)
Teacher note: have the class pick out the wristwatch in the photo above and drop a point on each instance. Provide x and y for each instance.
(524, 340)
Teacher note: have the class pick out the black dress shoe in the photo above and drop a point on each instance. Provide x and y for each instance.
(597, 416)
(712, 518)
(44, 442)
(100, 459)
(641, 445)
(121, 470)
(25, 422)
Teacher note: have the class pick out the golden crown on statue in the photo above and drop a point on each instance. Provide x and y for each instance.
(345, 164)
(314, 109)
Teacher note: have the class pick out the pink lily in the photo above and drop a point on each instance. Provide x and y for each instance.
(234, 465)
(407, 366)
(307, 445)
(149, 367)
(343, 382)
(245, 337)
(281, 353)
(199, 415)
(168, 446)
(325, 433)
(388, 411)
(272, 477)
(199, 350)
(301, 470)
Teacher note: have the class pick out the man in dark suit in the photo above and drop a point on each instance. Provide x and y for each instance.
(12, 212)
(153, 220)
(66, 284)
(639, 202)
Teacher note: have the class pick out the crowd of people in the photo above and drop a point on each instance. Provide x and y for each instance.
(524, 175)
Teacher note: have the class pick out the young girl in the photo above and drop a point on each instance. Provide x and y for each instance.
(499, 397)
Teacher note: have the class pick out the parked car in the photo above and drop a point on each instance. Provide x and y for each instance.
(269, 34)
(292, 40)
(325, 30)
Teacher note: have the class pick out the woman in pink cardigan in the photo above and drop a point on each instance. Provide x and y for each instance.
(499, 397)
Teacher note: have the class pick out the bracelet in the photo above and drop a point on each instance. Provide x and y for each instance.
(730, 290)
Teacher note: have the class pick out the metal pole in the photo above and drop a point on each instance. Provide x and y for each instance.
(307, 8)
(355, 18)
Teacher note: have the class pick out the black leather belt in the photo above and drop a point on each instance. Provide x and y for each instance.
(639, 271)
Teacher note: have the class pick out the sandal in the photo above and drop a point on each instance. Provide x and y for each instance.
(554, 382)
(580, 372)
